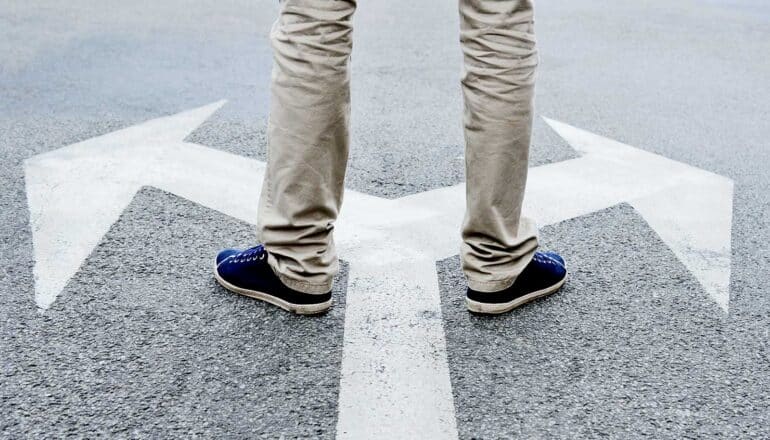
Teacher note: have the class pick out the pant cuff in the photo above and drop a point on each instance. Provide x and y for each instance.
(490, 286)
(304, 286)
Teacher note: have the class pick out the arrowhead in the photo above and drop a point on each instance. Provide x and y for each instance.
(76, 192)
(689, 208)
(695, 221)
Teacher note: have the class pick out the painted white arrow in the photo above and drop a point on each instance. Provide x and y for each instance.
(395, 378)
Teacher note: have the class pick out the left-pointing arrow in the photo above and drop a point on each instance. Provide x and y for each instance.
(77, 192)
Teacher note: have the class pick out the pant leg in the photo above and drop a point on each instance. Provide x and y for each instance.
(500, 58)
(307, 141)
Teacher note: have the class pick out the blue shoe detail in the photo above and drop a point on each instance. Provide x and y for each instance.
(544, 275)
(246, 272)
(225, 253)
(554, 256)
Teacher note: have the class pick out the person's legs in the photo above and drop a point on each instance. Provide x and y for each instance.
(500, 59)
(307, 141)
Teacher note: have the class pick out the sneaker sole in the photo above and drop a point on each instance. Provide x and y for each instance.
(497, 308)
(300, 309)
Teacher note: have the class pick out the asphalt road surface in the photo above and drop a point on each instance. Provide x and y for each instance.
(141, 342)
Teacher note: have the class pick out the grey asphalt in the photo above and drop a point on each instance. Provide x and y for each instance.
(142, 343)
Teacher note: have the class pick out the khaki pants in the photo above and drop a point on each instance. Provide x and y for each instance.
(308, 140)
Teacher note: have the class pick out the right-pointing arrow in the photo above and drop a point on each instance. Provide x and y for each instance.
(690, 208)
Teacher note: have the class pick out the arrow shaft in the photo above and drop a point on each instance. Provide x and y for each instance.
(395, 377)
(213, 178)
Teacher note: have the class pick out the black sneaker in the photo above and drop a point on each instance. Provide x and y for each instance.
(544, 275)
(246, 272)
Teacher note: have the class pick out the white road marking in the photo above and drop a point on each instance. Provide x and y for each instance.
(395, 378)
(691, 209)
